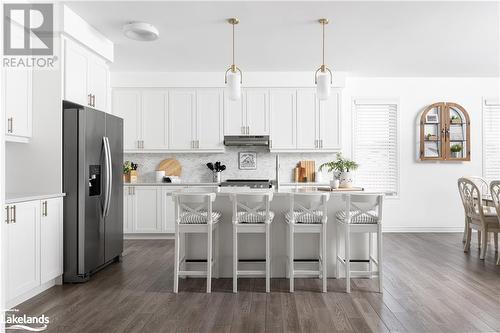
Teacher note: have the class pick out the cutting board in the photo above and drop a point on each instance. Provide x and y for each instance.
(309, 169)
(171, 166)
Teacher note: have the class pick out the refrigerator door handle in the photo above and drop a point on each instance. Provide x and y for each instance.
(107, 159)
(110, 179)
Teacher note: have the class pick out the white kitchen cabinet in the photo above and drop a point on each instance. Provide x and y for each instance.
(307, 120)
(329, 122)
(182, 110)
(249, 115)
(51, 242)
(146, 211)
(127, 209)
(209, 120)
(127, 105)
(23, 248)
(98, 82)
(283, 119)
(154, 119)
(234, 116)
(17, 96)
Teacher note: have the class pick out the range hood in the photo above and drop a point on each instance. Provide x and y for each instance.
(246, 140)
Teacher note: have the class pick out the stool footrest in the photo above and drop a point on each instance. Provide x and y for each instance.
(305, 272)
(247, 273)
(251, 260)
(193, 273)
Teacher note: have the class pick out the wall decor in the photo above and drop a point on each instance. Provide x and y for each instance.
(444, 133)
(247, 160)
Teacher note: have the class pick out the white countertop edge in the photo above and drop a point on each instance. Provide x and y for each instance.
(207, 184)
(11, 198)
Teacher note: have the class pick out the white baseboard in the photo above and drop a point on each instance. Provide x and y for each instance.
(33, 292)
(422, 229)
(148, 236)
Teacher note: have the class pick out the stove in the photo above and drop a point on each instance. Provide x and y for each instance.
(252, 183)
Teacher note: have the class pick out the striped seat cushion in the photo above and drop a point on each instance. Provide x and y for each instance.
(301, 217)
(358, 219)
(260, 217)
(190, 218)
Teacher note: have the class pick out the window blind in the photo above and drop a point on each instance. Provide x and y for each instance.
(375, 144)
(491, 139)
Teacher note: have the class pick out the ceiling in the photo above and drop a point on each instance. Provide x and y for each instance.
(363, 38)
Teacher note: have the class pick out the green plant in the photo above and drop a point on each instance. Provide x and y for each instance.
(129, 166)
(454, 117)
(456, 148)
(341, 164)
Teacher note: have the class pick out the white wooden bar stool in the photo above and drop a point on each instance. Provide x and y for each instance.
(308, 214)
(362, 214)
(252, 214)
(194, 215)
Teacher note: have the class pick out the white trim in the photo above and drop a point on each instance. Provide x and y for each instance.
(33, 292)
(422, 229)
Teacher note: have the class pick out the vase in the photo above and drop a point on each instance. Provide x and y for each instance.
(334, 183)
(456, 154)
(216, 177)
(346, 179)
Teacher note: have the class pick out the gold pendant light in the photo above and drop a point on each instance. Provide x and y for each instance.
(323, 77)
(233, 77)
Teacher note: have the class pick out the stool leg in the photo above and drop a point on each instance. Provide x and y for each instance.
(176, 263)
(291, 257)
(379, 258)
(209, 259)
(370, 247)
(324, 262)
(495, 240)
(337, 251)
(347, 259)
(268, 260)
(217, 254)
(235, 259)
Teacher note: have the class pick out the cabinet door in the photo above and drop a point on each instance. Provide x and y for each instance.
(51, 239)
(127, 105)
(168, 206)
(147, 212)
(23, 248)
(257, 111)
(154, 119)
(181, 112)
(128, 213)
(209, 119)
(283, 118)
(98, 82)
(307, 119)
(75, 73)
(18, 102)
(234, 121)
(329, 122)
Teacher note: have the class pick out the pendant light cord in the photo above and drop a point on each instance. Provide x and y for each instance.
(323, 24)
(233, 44)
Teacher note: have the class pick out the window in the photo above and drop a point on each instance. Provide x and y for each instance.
(375, 144)
(491, 139)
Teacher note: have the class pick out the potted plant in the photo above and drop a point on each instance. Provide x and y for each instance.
(130, 172)
(455, 119)
(456, 150)
(342, 169)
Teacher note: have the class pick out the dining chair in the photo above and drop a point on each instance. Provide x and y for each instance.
(480, 217)
(483, 186)
(495, 195)
(194, 215)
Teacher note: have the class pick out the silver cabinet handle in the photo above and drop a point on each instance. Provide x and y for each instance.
(315, 143)
(13, 214)
(321, 143)
(197, 143)
(142, 144)
(270, 143)
(93, 100)
(242, 129)
(10, 125)
(248, 129)
(7, 218)
(44, 208)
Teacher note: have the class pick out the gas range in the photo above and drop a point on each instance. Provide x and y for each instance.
(252, 183)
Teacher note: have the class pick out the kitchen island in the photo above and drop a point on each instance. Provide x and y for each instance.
(252, 246)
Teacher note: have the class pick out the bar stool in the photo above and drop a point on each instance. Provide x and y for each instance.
(251, 214)
(194, 215)
(308, 213)
(362, 214)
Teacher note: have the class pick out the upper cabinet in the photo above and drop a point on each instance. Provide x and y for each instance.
(249, 115)
(86, 76)
(17, 92)
(127, 105)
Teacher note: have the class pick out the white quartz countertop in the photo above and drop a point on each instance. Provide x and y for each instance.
(11, 198)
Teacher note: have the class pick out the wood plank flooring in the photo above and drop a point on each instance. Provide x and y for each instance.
(430, 285)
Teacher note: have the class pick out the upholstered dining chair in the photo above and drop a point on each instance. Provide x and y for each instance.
(495, 195)
(480, 217)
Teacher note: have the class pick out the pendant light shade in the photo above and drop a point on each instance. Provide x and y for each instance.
(234, 76)
(323, 76)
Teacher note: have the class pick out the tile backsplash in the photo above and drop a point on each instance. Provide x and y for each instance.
(194, 167)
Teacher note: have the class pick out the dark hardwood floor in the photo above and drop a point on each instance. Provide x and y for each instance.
(430, 286)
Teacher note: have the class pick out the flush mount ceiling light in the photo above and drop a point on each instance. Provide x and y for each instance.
(233, 76)
(140, 31)
(323, 77)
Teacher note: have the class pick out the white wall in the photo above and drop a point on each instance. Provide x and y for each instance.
(429, 199)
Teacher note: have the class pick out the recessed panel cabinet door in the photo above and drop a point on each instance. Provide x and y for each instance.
(283, 118)
(18, 102)
(257, 111)
(98, 82)
(51, 247)
(181, 114)
(329, 121)
(127, 105)
(23, 248)
(154, 119)
(307, 135)
(209, 119)
(75, 73)
(234, 120)
(147, 213)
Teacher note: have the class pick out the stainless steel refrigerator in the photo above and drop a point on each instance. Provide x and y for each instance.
(93, 183)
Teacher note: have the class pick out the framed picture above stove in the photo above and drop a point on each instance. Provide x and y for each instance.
(247, 160)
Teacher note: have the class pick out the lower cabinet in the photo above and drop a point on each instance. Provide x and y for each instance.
(149, 209)
(34, 248)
